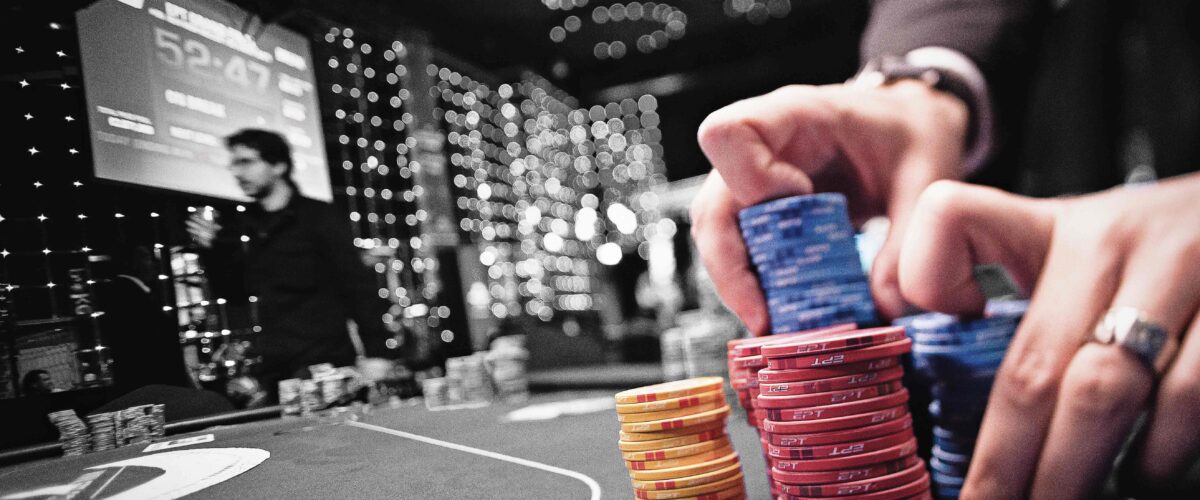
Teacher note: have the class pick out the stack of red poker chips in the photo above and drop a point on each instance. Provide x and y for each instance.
(745, 360)
(833, 418)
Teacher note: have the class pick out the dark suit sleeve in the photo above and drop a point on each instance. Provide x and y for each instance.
(356, 285)
(225, 263)
(999, 36)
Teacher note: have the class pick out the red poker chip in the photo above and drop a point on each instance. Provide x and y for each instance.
(845, 475)
(827, 398)
(856, 461)
(831, 384)
(917, 487)
(862, 487)
(837, 410)
(834, 424)
(838, 358)
(750, 362)
(753, 346)
(772, 376)
(841, 341)
(858, 434)
(846, 449)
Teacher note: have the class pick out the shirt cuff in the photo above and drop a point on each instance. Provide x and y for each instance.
(953, 61)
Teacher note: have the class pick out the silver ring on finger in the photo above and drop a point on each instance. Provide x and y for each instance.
(1148, 341)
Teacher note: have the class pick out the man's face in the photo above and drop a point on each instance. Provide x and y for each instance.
(255, 176)
(46, 382)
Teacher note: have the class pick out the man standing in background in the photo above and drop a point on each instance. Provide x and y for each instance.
(297, 259)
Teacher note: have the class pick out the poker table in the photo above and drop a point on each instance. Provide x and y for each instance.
(395, 452)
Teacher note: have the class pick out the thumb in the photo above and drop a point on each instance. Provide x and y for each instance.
(956, 226)
(907, 186)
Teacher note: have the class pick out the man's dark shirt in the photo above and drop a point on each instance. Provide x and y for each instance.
(308, 279)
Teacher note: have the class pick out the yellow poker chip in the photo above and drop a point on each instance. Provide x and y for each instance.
(716, 415)
(670, 390)
(690, 481)
(730, 483)
(678, 451)
(670, 463)
(673, 433)
(686, 470)
(734, 493)
(716, 432)
(668, 414)
(672, 404)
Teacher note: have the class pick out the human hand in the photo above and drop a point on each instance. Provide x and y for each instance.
(374, 369)
(880, 146)
(1061, 406)
(203, 230)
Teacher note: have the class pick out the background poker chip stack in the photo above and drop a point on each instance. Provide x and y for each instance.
(72, 432)
(803, 249)
(289, 395)
(468, 378)
(834, 417)
(674, 443)
(137, 423)
(103, 427)
(508, 359)
(957, 359)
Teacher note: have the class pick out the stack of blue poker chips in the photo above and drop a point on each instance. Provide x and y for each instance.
(803, 249)
(958, 359)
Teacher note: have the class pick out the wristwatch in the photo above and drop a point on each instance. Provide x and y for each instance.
(918, 65)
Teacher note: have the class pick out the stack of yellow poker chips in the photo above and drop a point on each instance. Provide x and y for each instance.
(674, 444)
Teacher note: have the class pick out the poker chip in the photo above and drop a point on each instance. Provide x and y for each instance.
(686, 470)
(681, 451)
(830, 384)
(919, 486)
(669, 463)
(670, 390)
(715, 432)
(832, 359)
(957, 360)
(842, 449)
(672, 404)
(685, 482)
(677, 451)
(832, 464)
(670, 414)
(897, 479)
(845, 475)
(730, 483)
(842, 436)
(772, 376)
(837, 410)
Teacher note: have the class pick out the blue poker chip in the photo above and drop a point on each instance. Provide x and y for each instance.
(948, 480)
(962, 338)
(805, 204)
(959, 350)
(767, 258)
(801, 275)
(812, 263)
(1014, 309)
(792, 221)
(937, 465)
(777, 296)
(846, 299)
(762, 247)
(950, 458)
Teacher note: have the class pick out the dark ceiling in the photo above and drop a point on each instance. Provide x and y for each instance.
(718, 60)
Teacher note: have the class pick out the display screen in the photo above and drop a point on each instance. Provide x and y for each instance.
(166, 81)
